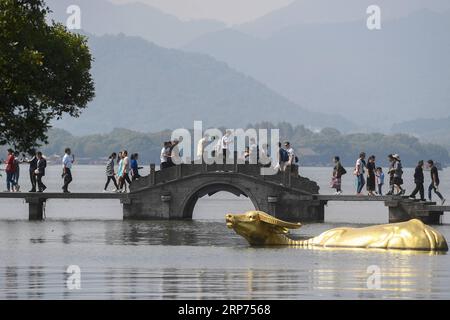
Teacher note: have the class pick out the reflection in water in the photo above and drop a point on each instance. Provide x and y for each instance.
(36, 282)
(11, 283)
(169, 233)
(200, 260)
(172, 283)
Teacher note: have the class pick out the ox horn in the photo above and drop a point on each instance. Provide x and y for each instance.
(280, 223)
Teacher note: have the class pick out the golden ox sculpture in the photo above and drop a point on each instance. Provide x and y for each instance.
(261, 229)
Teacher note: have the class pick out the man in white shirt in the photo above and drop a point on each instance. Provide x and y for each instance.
(225, 144)
(201, 145)
(291, 154)
(67, 162)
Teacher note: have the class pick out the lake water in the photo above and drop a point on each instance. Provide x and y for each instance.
(199, 259)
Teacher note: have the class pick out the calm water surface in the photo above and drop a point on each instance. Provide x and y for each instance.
(198, 259)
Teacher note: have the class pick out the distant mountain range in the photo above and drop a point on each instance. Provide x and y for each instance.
(144, 87)
(374, 78)
(334, 11)
(317, 54)
(102, 17)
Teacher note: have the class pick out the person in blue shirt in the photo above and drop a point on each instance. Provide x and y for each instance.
(135, 167)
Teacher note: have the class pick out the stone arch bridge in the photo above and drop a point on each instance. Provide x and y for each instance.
(173, 192)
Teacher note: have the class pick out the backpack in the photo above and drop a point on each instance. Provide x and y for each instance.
(399, 168)
(284, 155)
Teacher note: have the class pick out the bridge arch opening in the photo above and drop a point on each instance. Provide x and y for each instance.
(213, 201)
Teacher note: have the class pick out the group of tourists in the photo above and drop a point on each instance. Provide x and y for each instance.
(419, 181)
(37, 165)
(368, 174)
(126, 166)
(12, 171)
(286, 157)
(252, 154)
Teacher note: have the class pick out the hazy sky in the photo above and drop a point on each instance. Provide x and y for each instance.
(229, 11)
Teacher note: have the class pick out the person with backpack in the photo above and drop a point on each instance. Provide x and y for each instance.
(293, 159)
(10, 171)
(398, 175)
(40, 171)
(338, 172)
(391, 175)
(135, 167)
(110, 174)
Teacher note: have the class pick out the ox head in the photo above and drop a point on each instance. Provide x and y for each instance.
(258, 227)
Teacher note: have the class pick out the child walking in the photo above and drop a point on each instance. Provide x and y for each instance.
(380, 180)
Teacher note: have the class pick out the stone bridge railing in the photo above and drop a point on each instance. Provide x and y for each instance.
(289, 178)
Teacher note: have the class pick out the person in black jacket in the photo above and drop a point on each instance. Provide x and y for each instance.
(434, 186)
(419, 180)
(371, 178)
(33, 167)
(40, 171)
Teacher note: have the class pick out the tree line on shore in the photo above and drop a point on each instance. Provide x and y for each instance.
(315, 148)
